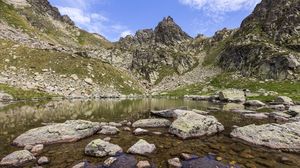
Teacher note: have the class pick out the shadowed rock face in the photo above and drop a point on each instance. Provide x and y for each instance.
(154, 51)
(267, 44)
(45, 8)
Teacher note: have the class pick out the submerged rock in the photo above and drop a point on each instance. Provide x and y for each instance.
(124, 161)
(259, 116)
(100, 148)
(142, 147)
(70, 131)
(284, 137)
(17, 159)
(151, 123)
(205, 162)
(140, 131)
(168, 113)
(195, 125)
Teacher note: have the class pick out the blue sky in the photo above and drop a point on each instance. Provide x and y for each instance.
(116, 18)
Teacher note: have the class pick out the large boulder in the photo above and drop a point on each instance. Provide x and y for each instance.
(100, 148)
(17, 159)
(195, 125)
(142, 147)
(284, 137)
(171, 113)
(151, 123)
(232, 95)
(69, 131)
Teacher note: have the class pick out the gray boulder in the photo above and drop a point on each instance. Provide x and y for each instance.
(284, 137)
(195, 125)
(100, 148)
(151, 123)
(70, 131)
(109, 130)
(232, 95)
(284, 100)
(294, 110)
(142, 147)
(17, 159)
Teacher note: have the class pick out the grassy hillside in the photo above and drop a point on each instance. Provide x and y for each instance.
(35, 60)
(224, 81)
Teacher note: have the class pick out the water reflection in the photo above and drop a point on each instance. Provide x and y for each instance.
(18, 118)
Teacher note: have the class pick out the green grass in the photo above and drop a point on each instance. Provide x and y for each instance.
(194, 89)
(20, 94)
(86, 39)
(225, 81)
(62, 63)
(163, 72)
(9, 15)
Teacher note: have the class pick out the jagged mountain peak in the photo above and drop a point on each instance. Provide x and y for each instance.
(170, 33)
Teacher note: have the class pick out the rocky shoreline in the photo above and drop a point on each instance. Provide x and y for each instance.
(183, 123)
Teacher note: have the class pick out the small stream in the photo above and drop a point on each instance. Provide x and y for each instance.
(17, 118)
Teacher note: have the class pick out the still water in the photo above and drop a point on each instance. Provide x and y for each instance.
(17, 118)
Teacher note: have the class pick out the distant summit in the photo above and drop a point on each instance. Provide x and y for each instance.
(168, 32)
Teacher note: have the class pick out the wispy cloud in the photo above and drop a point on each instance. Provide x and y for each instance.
(221, 5)
(126, 33)
(80, 11)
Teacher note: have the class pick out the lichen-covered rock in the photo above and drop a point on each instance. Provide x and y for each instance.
(195, 125)
(100, 148)
(151, 123)
(284, 137)
(142, 147)
(17, 159)
(109, 130)
(232, 95)
(69, 131)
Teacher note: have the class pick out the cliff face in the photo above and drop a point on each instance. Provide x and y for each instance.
(267, 44)
(160, 52)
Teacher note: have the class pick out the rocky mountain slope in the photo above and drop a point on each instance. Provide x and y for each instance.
(267, 43)
(43, 50)
(37, 43)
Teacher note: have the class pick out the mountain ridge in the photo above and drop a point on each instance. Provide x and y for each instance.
(164, 57)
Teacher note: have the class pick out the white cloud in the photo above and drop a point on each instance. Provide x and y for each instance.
(94, 22)
(221, 6)
(77, 15)
(126, 33)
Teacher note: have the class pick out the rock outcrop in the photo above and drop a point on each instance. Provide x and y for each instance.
(267, 44)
